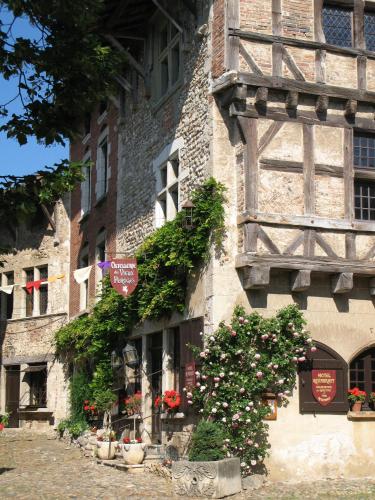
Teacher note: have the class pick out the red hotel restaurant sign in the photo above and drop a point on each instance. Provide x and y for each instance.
(124, 275)
(324, 386)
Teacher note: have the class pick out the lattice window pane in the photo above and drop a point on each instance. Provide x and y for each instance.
(337, 25)
(364, 150)
(364, 200)
(362, 372)
(370, 30)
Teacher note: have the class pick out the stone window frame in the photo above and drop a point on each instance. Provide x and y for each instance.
(86, 185)
(102, 165)
(30, 381)
(101, 239)
(83, 261)
(359, 17)
(35, 294)
(165, 205)
(159, 55)
(6, 299)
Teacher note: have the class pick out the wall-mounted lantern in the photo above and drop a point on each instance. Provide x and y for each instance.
(130, 355)
(188, 208)
(116, 361)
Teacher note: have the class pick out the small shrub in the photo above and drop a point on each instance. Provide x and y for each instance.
(207, 443)
(74, 427)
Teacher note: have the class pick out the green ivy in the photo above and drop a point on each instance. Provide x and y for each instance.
(242, 361)
(165, 261)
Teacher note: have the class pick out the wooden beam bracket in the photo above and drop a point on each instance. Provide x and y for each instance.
(261, 97)
(342, 283)
(300, 280)
(256, 277)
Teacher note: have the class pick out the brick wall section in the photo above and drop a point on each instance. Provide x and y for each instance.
(218, 38)
(298, 18)
(102, 215)
(256, 15)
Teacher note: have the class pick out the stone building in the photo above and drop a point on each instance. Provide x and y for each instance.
(33, 305)
(275, 99)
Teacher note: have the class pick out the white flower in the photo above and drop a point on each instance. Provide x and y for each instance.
(280, 394)
(221, 374)
(203, 388)
(275, 367)
(313, 349)
(212, 338)
(223, 356)
(247, 408)
(253, 365)
(225, 405)
(197, 374)
(224, 419)
(242, 390)
(251, 403)
(274, 340)
(214, 410)
(256, 445)
(198, 384)
(204, 377)
(259, 374)
(257, 356)
(287, 393)
(189, 394)
(190, 402)
(202, 354)
(255, 411)
(226, 440)
(216, 385)
(213, 393)
(243, 464)
(201, 334)
(206, 351)
(231, 373)
(302, 359)
(236, 416)
(184, 389)
(201, 411)
(280, 381)
(295, 334)
(248, 421)
(309, 340)
(253, 462)
(294, 359)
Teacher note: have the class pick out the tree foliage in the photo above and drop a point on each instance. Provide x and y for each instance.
(61, 70)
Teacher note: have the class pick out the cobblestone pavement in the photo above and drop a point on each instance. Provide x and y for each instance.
(35, 467)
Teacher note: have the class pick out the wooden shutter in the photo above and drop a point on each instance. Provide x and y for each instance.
(325, 359)
(189, 334)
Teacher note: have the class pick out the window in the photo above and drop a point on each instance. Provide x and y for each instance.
(43, 290)
(362, 371)
(370, 30)
(364, 190)
(86, 188)
(337, 25)
(29, 295)
(167, 203)
(84, 286)
(102, 169)
(100, 255)
(9, 298)
(168, 58)
(36, 377)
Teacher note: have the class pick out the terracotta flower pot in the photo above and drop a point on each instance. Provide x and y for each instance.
(133, 453)
(357, 406)
(106, 450)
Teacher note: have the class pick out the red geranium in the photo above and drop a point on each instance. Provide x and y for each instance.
(139, 440)
(158, 401)
(356, 394)
(1, 427)
(86, 407)
(126, 440)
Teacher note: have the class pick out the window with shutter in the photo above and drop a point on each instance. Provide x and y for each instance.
(190, 333)
(362, 371)
(324, 358)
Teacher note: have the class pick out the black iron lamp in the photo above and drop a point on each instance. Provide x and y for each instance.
(130, 355)
(188, 208)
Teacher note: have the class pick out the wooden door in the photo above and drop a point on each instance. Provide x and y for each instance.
(12, 394)
(156, 359)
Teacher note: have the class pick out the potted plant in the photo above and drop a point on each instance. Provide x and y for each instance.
(4, 421)
(133, 451)
(208, 472)
(169, 402)
(356, 398)
(106, 444)
(133, 404)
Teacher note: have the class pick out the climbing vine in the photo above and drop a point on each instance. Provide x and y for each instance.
(165, 261)
(242, 361)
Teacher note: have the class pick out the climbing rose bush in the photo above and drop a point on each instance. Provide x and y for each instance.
(242, 361)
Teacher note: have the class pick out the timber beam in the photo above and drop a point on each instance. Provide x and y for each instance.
(326, 265)
(256, 277)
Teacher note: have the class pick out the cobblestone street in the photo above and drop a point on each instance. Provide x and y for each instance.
(34, 467)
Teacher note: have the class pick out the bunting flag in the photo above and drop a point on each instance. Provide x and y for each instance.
(104, 265)
(7, 289)
(81, 275)
(33, 284)
(52, 279)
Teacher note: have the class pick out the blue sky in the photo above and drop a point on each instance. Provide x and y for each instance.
(16, 159)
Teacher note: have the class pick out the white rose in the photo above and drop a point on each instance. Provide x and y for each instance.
(221, 374)
(224, 419)
(214, 410)
(257, 356)
(247, 408)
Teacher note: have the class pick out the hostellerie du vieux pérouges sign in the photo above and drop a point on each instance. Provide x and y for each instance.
(124, 275)
(324, 386)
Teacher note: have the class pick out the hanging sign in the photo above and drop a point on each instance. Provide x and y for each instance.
(124, 275)
(190, 375)
(323, 386)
